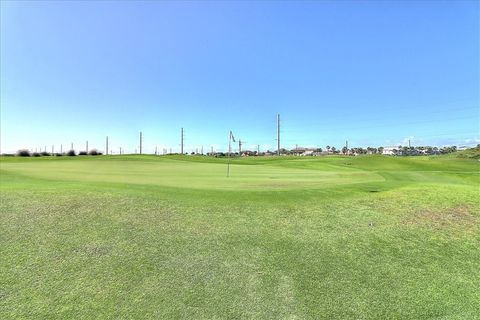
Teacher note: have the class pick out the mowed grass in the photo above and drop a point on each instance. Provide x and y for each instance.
(142, 237)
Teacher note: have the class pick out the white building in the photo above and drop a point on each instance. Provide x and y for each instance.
(391, 151)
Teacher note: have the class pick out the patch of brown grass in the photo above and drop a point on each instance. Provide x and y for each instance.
(459, 216)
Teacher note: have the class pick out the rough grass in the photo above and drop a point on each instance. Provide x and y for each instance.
(171, 237)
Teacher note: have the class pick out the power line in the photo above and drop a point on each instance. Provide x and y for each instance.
(397, 124)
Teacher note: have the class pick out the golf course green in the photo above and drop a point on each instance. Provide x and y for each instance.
(171, 237)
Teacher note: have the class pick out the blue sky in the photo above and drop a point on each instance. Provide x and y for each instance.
(375, 73)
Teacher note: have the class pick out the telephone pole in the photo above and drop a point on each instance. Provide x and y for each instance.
(61, 148)
(181, 141)
(155, 150)
(239, 147)
(86, 147)
(409, 143)
(140, 142)
(278, 134)
(202, 150)
(106, 146)
(52, 149)
(71, 146)
(258, 149)
(346, 146)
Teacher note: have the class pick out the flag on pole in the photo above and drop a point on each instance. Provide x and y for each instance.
(232, 137)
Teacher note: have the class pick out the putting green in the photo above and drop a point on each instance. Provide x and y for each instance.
(185, 174)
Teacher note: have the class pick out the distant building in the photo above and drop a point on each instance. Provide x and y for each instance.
(300, 151)
(391, 151)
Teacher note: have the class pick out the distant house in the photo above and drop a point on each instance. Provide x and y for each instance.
(391, 151)
(300, 151)
(248, 153)
(308, 153)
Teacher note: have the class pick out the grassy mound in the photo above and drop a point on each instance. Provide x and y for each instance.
(472, 153)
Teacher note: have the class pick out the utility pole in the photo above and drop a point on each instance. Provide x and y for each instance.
(155, 150)
(120, 150)
(239, 147)
(211, 153)
(409, 143)
(140, 142)
(278, 134)
(229, 151)
(45, 150)
(181, 141)
(170, 150)
(346, 145)
(52, 149)
(61, 148)
(258, 149)
(86, 147)
(202, 150)
(71, 148)
(106, 146)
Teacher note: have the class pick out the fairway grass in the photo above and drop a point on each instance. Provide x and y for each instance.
(171, 237)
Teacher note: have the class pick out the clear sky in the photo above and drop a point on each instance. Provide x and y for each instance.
(375, 73)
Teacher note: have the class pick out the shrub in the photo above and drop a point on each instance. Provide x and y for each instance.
(45, 153)
(35, 154)
(23, 153)
(71, 153)
(82, 153)
(58, 154)
(94, 152)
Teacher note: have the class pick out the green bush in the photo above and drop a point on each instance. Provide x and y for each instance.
(94, 152)
(71, 153)
(23, 153)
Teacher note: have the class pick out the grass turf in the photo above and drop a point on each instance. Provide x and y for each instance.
(171, 237)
